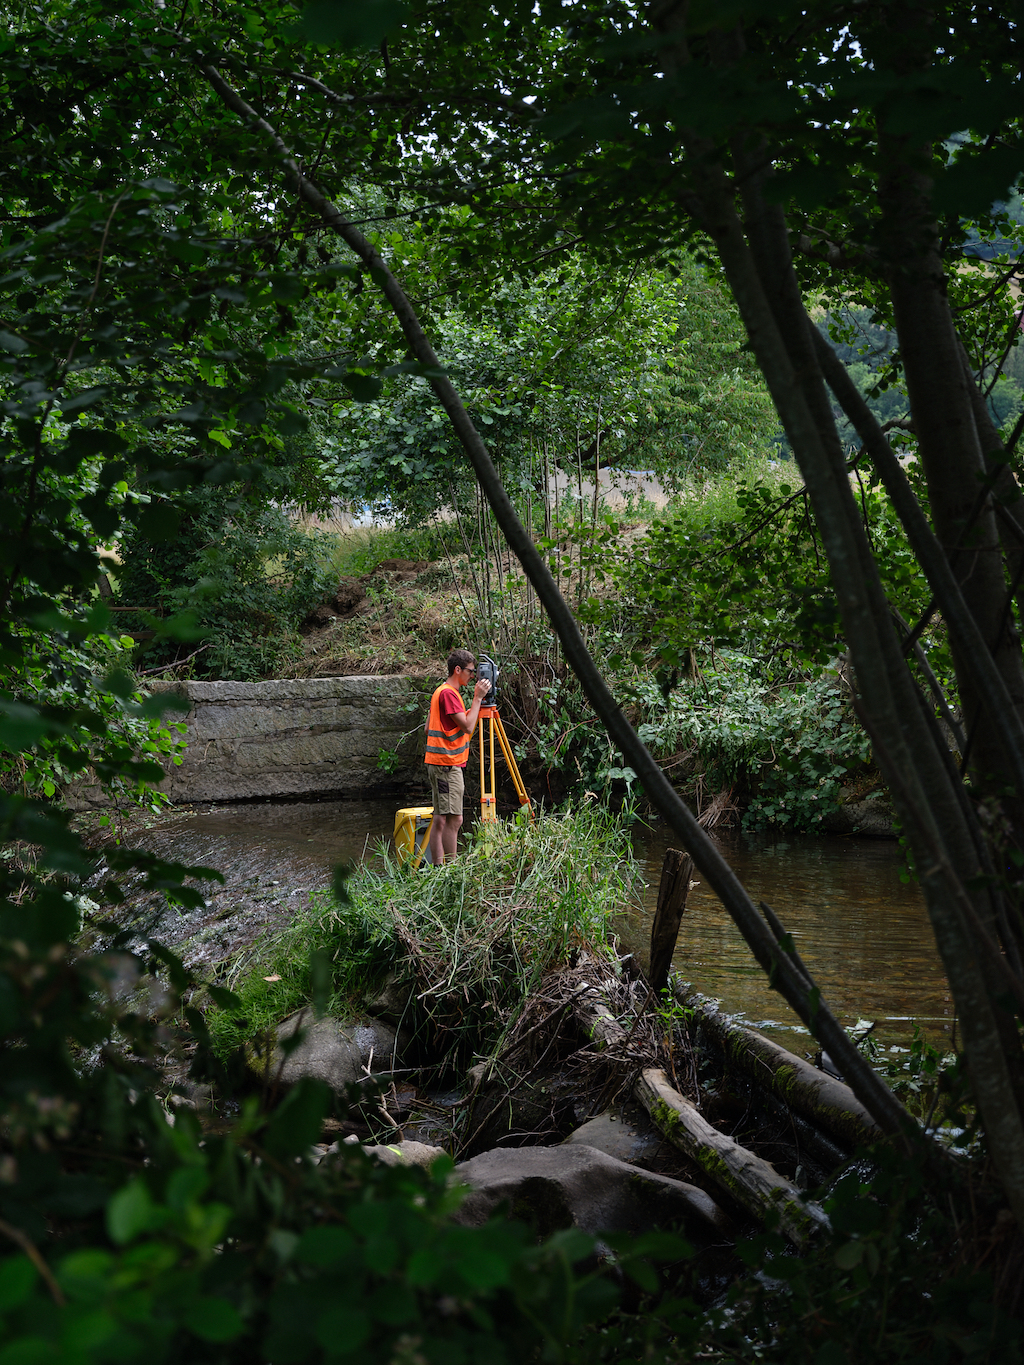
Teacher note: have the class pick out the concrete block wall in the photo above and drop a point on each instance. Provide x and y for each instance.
(298, 737)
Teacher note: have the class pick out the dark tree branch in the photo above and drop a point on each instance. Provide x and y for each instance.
(490, 99)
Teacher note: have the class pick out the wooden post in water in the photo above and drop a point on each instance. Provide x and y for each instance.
(672, 891)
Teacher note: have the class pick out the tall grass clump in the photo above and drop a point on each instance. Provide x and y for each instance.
(465, 944)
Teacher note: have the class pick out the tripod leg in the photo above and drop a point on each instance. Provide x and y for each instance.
(423, 846)
(513, 767)
(494, 785)
(488, 810)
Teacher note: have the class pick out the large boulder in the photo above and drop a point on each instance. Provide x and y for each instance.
(333, 1051)
(616, 1135)
(577, 1186)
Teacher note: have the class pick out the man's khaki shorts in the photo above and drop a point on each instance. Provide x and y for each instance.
(447, 787)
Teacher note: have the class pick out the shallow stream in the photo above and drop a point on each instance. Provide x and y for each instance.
(862, 931)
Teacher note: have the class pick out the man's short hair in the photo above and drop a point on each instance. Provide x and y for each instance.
(460, 658)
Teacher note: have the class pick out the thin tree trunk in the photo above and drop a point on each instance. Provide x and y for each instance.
(767, 294)
(949, 449)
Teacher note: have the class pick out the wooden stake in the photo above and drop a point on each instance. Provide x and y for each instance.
(672, 892)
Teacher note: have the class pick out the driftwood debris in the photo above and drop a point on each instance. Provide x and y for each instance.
(827, 1102)
(672, 893)
(750, 1180)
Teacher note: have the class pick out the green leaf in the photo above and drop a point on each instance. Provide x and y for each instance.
(78, 402)
(17, 1276)
(21, 726)
(363, 387)
(29, 1351)
(297, 1121)
(214, 1319)
(351, 23)
(849, 1255)
(325, 1247)
(223, 998)
(132, 1211)
(159, 522)
(484, 1269)
(12, 343)
(341, 1330)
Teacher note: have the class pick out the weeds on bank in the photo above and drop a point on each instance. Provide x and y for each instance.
(471, 939)
(362, 549)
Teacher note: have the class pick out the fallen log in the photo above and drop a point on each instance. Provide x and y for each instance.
(822, 1099)
(597, 1021)
(751, 1181)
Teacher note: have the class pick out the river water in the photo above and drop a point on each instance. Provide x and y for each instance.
(861, 930)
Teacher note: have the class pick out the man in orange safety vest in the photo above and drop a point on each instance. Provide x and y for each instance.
(449, 730)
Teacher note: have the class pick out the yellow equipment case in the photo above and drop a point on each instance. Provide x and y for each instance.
(412, 830)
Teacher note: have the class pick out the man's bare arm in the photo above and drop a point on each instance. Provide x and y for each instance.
(466, 721)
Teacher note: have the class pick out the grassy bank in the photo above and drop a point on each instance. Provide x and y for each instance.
(465, 943)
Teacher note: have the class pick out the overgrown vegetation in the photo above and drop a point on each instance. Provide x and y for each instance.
(174, 320)
(243, 574)
(475, 936)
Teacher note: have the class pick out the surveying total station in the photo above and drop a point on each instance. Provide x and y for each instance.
(413, 824)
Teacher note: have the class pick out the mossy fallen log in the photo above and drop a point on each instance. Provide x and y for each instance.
(597, 1021)
(751, 1181)
(822, 1099)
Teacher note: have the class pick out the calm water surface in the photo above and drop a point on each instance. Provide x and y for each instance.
(863, 933)
(860, 929)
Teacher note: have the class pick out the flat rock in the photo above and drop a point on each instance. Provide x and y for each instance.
(406, 1154)
(616, 1136)
(332, 1051)
(573, 1185)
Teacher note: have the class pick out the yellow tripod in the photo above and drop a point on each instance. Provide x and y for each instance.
(490, 722)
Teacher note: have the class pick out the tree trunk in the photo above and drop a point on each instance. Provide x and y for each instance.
(950, 450)
(774, 958)
(763, 283)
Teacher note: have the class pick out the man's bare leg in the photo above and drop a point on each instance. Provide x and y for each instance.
(450, 836)
(437, 835)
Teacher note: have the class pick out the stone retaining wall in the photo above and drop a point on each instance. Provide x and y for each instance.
(298, 737)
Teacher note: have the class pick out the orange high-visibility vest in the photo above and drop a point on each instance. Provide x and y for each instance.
(444, 749)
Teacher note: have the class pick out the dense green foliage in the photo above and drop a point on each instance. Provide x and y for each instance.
(870, 353)
(580, 366)
(154, 343)
(245, 576)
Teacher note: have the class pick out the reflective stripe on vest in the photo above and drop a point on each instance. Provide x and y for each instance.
(447, 751)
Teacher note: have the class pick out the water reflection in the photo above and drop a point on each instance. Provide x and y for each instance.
(863, 933)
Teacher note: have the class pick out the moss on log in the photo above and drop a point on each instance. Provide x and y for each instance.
(825, 1101)
(753, 1182)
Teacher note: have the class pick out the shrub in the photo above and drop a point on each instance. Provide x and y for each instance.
(244, 572)
(483, 928)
